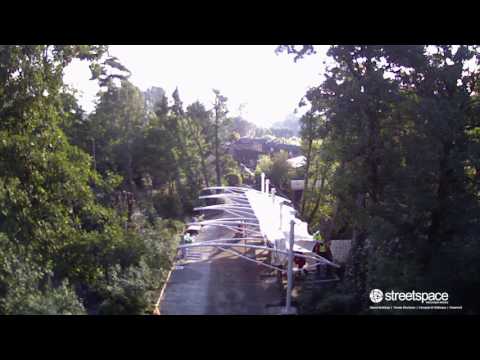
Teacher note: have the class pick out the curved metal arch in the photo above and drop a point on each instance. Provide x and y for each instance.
(223, 206)
(232, 222)
(238, 213)
(252, 219)
(224, 195)
(234, 228)
(285, 252)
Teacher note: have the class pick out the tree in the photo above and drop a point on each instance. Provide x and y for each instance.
(291, 125)
(153, 96)
(63, 250)
(241, 126)
(276, 168)
(175, 152)
(115, 128)
(309, 132)
(200, 128)
(220, 111)
(397, 121)
(47, 204)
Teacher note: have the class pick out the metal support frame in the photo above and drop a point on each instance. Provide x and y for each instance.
(228, 189)
(228, 222)
(241, 210)
(224, 206)
(234, 227)
(249, 259)
(239, 207)
(240, 191)
(281, 215)
(320, 260)
(224, 195)
(244, 222)
(290, 268)
(252, 219)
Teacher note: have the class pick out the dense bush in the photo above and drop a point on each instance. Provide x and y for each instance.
(133, 289)
(125, 279)
(168, 205)
(70, 243)
(233, 179)
(27, 288)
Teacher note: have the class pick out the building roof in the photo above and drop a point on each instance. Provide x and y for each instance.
(297, 161)
(247, 140)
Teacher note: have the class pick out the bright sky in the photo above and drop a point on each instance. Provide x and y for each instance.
(269, 85)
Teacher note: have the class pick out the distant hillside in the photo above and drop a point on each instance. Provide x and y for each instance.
(288, 127)
(243, 127)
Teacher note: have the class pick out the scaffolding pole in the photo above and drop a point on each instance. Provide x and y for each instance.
(290, 269)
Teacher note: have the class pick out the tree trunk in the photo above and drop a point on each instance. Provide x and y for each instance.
(131, 183)
(205, 172)
(94, 155)
(438, 213)
(319, 197)
(355, 268)
(305, 178)
(202, 159)
(217, 157)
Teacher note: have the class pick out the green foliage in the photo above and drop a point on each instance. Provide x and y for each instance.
(27, 299)
(280, 172)
(26, 288)
(397, 124)
(133, 289)
(220, 121)
(167, 205)
(336, 304)
(241, 127)
(264, 165)
(60, 242)
(233, 179)
(114, 130)
(44, 186)
(276, 168)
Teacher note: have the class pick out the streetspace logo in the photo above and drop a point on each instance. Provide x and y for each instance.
(411, 300)
(376, 296)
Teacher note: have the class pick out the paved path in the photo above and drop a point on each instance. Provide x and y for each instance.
(212, 282)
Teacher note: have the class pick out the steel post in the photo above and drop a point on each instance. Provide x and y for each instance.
(290, 268)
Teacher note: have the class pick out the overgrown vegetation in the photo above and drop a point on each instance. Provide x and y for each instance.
(277, 169)
(91, 204)
(393, 135)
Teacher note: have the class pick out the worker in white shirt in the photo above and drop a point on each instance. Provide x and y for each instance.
(186, 239)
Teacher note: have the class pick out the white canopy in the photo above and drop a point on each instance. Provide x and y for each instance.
(194, 227)
(274, 217)
(270, 216)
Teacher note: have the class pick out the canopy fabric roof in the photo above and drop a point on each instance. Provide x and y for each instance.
(194, 227)
(267, 216)
(274, 217)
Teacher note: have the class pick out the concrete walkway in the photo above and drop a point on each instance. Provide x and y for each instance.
(212, 282)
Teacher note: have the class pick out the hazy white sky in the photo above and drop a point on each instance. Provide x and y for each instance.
(269, 85)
